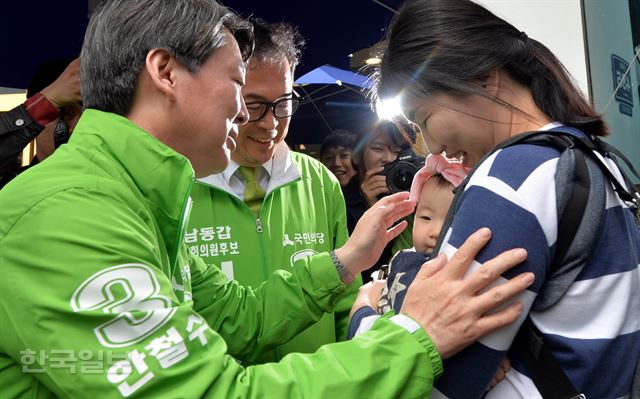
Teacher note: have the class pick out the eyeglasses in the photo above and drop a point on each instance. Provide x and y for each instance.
(282, 108)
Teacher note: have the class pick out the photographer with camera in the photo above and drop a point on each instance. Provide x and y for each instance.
(385, 164)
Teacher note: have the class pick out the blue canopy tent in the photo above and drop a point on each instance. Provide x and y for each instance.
(329, 76)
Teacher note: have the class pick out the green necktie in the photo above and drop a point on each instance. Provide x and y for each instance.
(253, 193)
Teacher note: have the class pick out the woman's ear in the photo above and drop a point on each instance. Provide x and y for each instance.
(491, 82)
(421, 145)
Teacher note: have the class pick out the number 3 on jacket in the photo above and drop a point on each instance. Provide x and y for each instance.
(130, 292)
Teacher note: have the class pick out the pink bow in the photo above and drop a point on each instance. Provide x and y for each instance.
(451, 170)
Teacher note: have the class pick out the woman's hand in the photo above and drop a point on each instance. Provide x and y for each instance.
(374, 231)
(456, 311)
(373, 185)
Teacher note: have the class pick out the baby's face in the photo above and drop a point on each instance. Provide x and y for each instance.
(431, 211)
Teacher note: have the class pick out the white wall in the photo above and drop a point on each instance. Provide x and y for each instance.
(555, 23)
(11, 98)
(558, 24)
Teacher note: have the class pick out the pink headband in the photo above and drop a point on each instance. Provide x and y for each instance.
(451, 170)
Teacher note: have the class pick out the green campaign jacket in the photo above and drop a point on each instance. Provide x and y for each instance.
(302, 214)
(100, 298)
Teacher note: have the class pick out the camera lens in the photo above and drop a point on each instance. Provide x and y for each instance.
(403, 178)
(400, 172)
(400, 177)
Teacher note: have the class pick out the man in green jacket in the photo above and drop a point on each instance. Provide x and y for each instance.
(99, 296)
(299, 210)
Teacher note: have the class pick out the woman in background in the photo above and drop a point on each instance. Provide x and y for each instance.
(373, 150)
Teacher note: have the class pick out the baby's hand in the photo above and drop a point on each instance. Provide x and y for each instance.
(368, 295)
(505, 366)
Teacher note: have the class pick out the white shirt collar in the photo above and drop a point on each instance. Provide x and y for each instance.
(277, 171)
(230, 170)
(234, 166)
(268, 167)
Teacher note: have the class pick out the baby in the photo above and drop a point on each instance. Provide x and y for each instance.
(432, 188)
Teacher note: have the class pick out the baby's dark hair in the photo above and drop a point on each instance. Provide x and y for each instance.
(441, 182)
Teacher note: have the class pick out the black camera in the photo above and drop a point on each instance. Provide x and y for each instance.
(400, 172)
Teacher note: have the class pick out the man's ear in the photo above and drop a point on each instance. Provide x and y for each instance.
(161, 67)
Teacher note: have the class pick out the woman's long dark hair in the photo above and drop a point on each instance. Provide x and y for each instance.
(450, 46)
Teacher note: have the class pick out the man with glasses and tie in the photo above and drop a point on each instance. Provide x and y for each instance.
(271, 206)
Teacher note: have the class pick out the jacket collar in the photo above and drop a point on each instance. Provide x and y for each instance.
(163, 176)
(282, 171)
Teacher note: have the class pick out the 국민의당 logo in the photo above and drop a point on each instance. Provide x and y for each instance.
(303, 253)
(131, 293)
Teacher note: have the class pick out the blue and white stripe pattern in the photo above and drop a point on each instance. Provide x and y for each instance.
(404, 267)
(361, 321)
(594, 330)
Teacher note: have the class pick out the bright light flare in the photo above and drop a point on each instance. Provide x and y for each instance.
(388, 109)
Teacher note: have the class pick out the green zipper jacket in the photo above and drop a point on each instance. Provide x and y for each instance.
(303, 213)
(99, 297)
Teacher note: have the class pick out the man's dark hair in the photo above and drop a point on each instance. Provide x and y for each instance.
(122, 32)
(274, 40)
(338, 138)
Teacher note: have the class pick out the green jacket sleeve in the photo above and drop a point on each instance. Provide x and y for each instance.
(253, 321)
(91, 311)
(348, 296)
